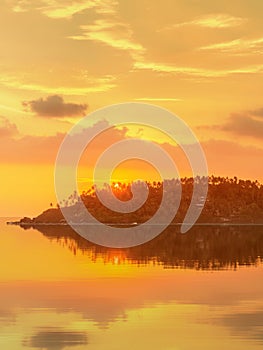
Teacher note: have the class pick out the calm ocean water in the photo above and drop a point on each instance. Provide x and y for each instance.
(202, 290)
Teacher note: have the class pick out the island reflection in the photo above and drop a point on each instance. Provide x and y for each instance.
(203, 247)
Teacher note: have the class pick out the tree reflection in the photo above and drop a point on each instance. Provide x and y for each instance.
(203, 247)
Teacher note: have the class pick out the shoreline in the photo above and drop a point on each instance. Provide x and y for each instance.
(18, 223)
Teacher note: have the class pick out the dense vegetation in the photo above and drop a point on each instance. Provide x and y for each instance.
(228, 200)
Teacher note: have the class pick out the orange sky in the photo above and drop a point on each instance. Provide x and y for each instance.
(61, 59)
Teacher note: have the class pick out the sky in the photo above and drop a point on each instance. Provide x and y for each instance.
(61, 60)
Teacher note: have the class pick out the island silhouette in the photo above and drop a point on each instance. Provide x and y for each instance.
(229, 200)
(228, 233)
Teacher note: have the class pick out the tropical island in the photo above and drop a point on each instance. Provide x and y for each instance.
(232, 236)
(229, 200)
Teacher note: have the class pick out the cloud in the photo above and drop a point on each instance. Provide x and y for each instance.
(220, 20)
(201, 72)
(55, 9)
(229, 158)
(238, 46)
(112, 33)
(244, 124)
(223, 157)
(56, 339)
(257, 112)
(30, 149)
(62, 9)
(43, 149)
(7, 129)
(165, 99)
(247, 123)
(54, 106)
(11, 109)
(106, 28)
(100, 84)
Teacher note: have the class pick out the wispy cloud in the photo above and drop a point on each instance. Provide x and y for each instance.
(59, 10)
(158, 99)
(112, 33)
(11, 109)
(100, 84)
(239, 46)
(219, 20)
(201, 72)
(64, 8)
(107, 27)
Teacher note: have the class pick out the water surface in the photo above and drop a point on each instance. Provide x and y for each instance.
(201, 290)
